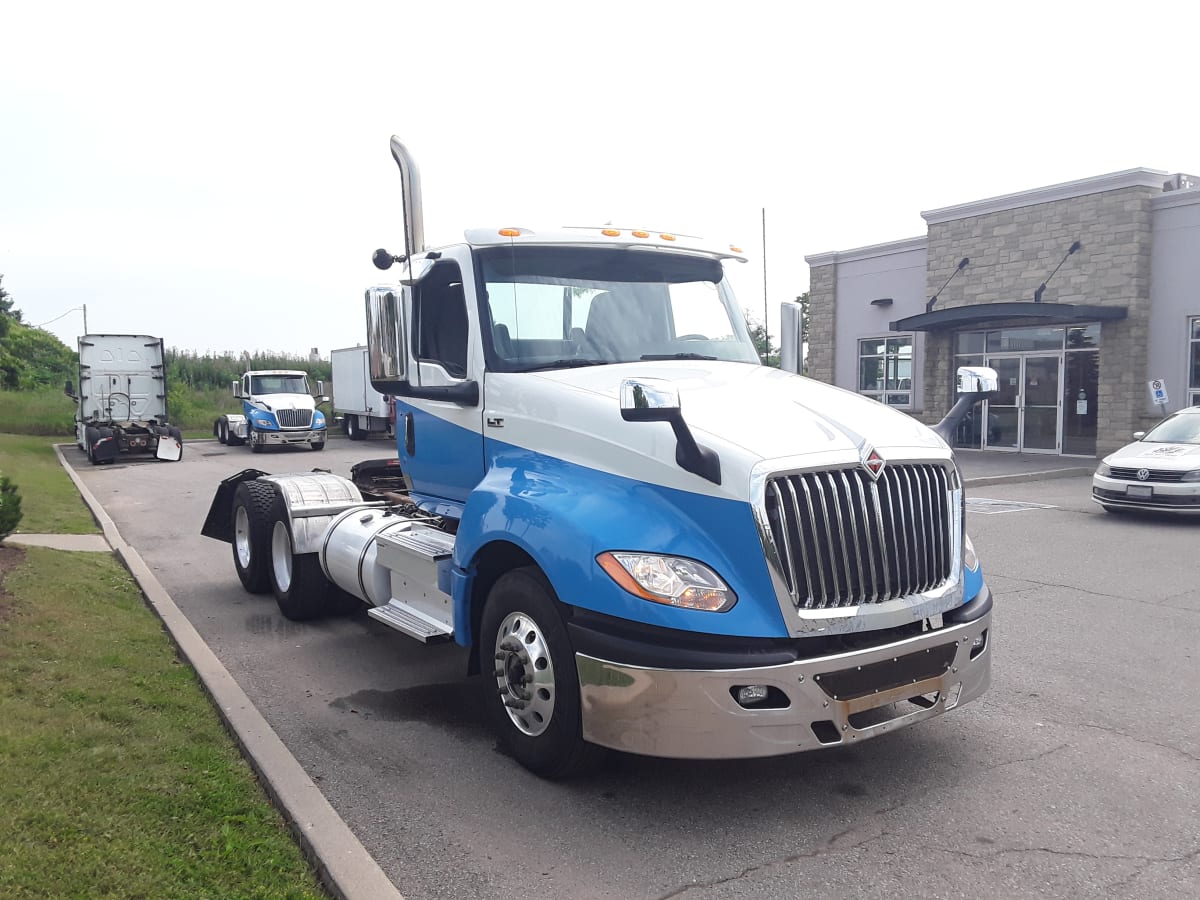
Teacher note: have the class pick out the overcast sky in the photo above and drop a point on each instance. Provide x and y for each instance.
(218, 174)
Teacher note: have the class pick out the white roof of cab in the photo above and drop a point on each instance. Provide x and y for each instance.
(594, 235)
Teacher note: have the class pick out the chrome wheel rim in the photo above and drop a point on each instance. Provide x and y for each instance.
(241, 536)
(524, 673)
(281, 556)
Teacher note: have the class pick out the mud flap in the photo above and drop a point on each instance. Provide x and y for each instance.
(218, 525)
(168, 448)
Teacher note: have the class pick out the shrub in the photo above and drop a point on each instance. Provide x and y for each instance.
(10, 507)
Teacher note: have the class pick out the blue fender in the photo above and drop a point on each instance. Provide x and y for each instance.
(563, 514)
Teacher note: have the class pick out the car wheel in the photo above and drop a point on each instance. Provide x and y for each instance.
(531, 695)
(252, 534)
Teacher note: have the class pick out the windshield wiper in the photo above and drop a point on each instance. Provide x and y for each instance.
(574, 362)
(649, 357)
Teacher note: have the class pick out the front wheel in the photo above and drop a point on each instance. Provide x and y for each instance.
(531, 695)
(256, 446)
(317, 445)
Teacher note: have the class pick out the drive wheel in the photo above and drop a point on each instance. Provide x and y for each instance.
(353, 430)
(301, 588)
(252, 534)
(222, 430)
(531, 696)
(91, 434)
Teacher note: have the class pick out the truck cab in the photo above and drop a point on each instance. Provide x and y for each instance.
(649, 541)
(277, 409)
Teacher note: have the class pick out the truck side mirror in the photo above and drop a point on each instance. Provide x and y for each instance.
(386, 359)
(320, 389)
(235, 388)
(69, 389)
(977, 380)
(974, 383)
(657, 400)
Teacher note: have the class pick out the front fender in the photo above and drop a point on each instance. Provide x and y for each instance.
(563, 515)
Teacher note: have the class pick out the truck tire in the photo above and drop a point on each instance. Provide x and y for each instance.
(317, 445)
(255, 446)
(91, 434)
(221, 430)
(251, 528)
(354, 431)
(301, 588)
(232, 439)
(532, 696)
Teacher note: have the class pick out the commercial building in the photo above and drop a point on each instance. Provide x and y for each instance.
(1078, 295)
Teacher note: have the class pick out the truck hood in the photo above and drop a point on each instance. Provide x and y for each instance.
(272, 402)
(750, 415)
(766, 412)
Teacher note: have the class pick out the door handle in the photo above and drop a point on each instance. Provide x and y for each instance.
(410, 435)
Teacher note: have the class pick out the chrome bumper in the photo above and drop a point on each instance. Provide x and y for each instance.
(291, 437)
(689, 714)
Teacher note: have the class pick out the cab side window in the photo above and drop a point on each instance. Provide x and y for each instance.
(440, 311)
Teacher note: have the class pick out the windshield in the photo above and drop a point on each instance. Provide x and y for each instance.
(1179, 429)
(553, 307)
(278, 384)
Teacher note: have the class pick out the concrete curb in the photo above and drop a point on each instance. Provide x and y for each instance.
(343, 863)
(1019, 477)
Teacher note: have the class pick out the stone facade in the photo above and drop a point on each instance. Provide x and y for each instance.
(1012, 251)
(822, 322)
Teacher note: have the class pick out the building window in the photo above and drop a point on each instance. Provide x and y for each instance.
(1194, 363)
(885, 369)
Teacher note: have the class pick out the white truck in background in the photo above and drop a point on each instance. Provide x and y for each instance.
(121, 406)
(277, 409)
(363, 409)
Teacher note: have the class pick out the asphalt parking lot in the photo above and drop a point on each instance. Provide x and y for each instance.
(1077, 774)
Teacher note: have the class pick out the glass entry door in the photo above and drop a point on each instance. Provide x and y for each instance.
(1025, 414)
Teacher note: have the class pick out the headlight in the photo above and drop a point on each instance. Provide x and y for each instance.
(318, 419)
(670, 580)
(1104, 469)
(970, 560)
(1193, 475)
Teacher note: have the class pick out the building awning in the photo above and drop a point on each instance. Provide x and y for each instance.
(982, 315)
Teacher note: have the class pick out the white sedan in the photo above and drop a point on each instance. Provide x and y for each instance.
(1159, 471)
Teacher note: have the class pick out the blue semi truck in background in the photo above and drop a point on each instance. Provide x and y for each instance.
(649, 541)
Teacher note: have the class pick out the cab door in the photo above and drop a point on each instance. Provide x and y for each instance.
(440, 441)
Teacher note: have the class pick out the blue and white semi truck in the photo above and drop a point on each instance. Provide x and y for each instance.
(650, 541)
(277, 410)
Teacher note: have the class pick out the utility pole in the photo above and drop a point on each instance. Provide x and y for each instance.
(766, 310)
(85, 331)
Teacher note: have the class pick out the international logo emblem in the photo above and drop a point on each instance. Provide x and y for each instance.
(873, 462)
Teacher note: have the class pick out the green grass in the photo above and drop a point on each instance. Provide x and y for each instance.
(118, 779)
(50, 502)
(41, 411)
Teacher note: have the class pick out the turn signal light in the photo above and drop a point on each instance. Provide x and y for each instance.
(510, 232)
(610, 232)
(642, 234)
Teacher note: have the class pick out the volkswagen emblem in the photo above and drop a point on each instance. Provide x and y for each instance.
(872, 462)
(1143, 474)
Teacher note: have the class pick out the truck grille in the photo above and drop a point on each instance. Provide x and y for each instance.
(843, 538)
(294, 418)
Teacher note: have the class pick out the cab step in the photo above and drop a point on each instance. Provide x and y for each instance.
(411, 621)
